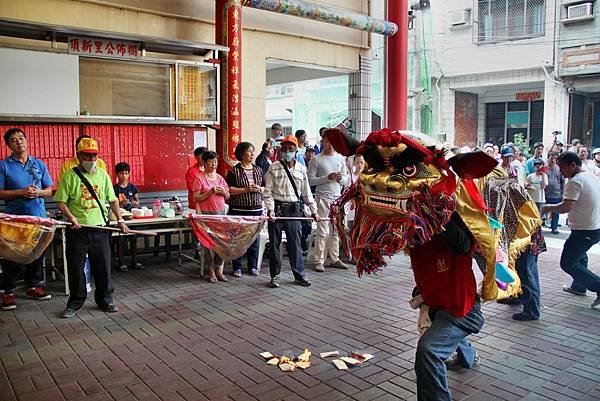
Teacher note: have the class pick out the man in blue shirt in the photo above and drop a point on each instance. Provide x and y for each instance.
(538, 150)
(24, 182)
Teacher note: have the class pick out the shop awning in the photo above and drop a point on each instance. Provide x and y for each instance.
(59, 33)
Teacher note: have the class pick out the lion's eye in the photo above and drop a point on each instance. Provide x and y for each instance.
(409, 171)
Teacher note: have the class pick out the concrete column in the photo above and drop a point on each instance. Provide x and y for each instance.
(359, 99)
(556, 110)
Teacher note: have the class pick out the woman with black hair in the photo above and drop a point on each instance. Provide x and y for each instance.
(210, 193)
(246, 182)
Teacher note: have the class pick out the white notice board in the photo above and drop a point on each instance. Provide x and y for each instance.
(33, 82)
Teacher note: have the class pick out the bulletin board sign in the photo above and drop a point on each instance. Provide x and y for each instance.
(97, 47)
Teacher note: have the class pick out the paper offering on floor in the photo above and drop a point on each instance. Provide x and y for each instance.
(350, 361)
(287, 367)
(340, 364)
(361, 357)
(328, 354)
(303, 365)
(267, 355)
(287, 364)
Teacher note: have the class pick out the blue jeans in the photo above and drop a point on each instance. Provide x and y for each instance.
(526, 266)
(252, 252)
(574, 260)
(554, 221)
(293, 235)
(446, 335)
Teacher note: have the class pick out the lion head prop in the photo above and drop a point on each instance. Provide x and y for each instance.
(406, 194)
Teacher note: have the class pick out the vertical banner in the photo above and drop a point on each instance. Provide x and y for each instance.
(230, 35)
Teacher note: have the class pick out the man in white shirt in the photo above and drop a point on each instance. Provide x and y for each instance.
(586, 164)
(276, 136)
(286, 198)
(581, 200)
(327, 171)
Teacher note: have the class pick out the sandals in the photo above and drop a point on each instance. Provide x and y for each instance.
(211, 277)
(237, 273)
(219, 273)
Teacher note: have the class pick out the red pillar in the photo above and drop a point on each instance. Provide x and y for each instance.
(396, 67)
(228, 32)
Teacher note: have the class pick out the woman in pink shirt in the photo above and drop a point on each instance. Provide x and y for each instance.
(210, 193)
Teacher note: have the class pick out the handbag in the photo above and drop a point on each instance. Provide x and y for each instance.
(92, 192)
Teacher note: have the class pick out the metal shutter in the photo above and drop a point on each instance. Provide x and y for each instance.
(495, 115)
(536, 121)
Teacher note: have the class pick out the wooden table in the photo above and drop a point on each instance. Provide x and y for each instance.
(177, 224)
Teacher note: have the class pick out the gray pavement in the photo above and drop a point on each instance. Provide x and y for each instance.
(178, 337)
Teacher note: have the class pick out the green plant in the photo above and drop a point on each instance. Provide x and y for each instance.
(519, 140)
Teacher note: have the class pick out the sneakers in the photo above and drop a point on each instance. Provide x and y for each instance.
(123, 268)
(524, 316)
(596, 303)
(339, 264)
(456, 363)
(275, 281)
(568, 289)
(69, 312)
(8, 301)
(304, 282)
(319, 267)
(109, 308)
(476, 359)
(138, 266)
(237, 273)
(38, 293)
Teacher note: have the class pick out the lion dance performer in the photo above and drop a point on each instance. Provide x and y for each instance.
(409, 197)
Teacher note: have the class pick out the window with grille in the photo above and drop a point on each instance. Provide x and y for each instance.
(502, 20)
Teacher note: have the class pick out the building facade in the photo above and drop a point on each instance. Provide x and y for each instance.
(488, 68)
(139, 101)
(579, 67)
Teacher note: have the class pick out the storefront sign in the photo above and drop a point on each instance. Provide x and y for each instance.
(104, 47)
(528, 95)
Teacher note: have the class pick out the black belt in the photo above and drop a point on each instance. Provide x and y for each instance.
(286, 204)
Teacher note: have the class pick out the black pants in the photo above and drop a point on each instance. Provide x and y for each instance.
(293, 234)
(96, 244)
(121, 244)
(11, 271)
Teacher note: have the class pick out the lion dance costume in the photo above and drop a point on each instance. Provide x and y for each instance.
(410, 197)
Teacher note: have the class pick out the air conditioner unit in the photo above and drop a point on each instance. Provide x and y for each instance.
(460, 18)
(579, 10)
